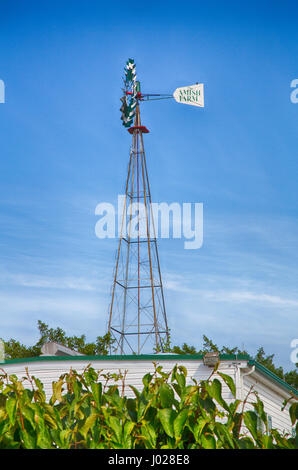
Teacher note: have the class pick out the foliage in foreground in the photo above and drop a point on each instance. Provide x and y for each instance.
(89, 410)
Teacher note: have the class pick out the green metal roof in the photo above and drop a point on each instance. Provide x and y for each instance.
(270, 375)
(159, 357)
(129, 357)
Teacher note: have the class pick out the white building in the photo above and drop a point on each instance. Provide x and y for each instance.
(245, 372)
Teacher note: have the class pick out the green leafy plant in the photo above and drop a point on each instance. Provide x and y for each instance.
(90, 410)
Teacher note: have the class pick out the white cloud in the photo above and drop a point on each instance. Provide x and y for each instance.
(242, 296)
(54, 283)
(32, 303)
(191, 287)
(51, 282)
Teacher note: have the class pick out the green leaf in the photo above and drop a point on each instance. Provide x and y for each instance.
(267, 442)
(44, 440)
(179, 423)
(207, 406)
(64, 438)
(29, 439)
(229, 381)
(281, 442)
(57, 391)
(215, 391)
(11, 408)
(234, 406)
(97, 392)
(52, 424)
(88, 424)
(166, 395)
(147, 379)
(136, 391)
(181, 381)
(77, 389)
(246, 443)
(128, 427)
(58, 419)
(4, 427)
(259, 408)
(29, 415)
(115, 425)
(208, 441)
(131, 408)
(13, 378)
(198, 428)
(183, 370)
(142, 404)
(90, 375)
(167, 417)
(38, 384)
(251, 422)
(150, 434)
(224, 435)
(177, 389)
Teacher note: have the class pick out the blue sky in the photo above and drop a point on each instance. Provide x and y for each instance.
(63, 150)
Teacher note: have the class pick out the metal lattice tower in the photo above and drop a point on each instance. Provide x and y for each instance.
(137, 314)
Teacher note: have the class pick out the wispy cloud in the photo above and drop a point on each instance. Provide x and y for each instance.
(183, 285)
(242, 296)
(69, 283)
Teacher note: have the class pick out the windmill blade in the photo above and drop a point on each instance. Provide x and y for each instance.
(193, 95)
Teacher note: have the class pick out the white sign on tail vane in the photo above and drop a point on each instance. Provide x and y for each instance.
(193, 95)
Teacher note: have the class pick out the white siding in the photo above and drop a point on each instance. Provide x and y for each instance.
(272, 399)
(50, 371)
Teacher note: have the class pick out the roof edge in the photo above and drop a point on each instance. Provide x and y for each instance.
(268, 374)
(130, 357)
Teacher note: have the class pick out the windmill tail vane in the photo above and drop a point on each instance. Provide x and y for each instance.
(137, 316)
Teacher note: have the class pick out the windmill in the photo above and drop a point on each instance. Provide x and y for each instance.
(137, 314)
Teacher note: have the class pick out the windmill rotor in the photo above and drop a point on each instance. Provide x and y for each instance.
(129, 98)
